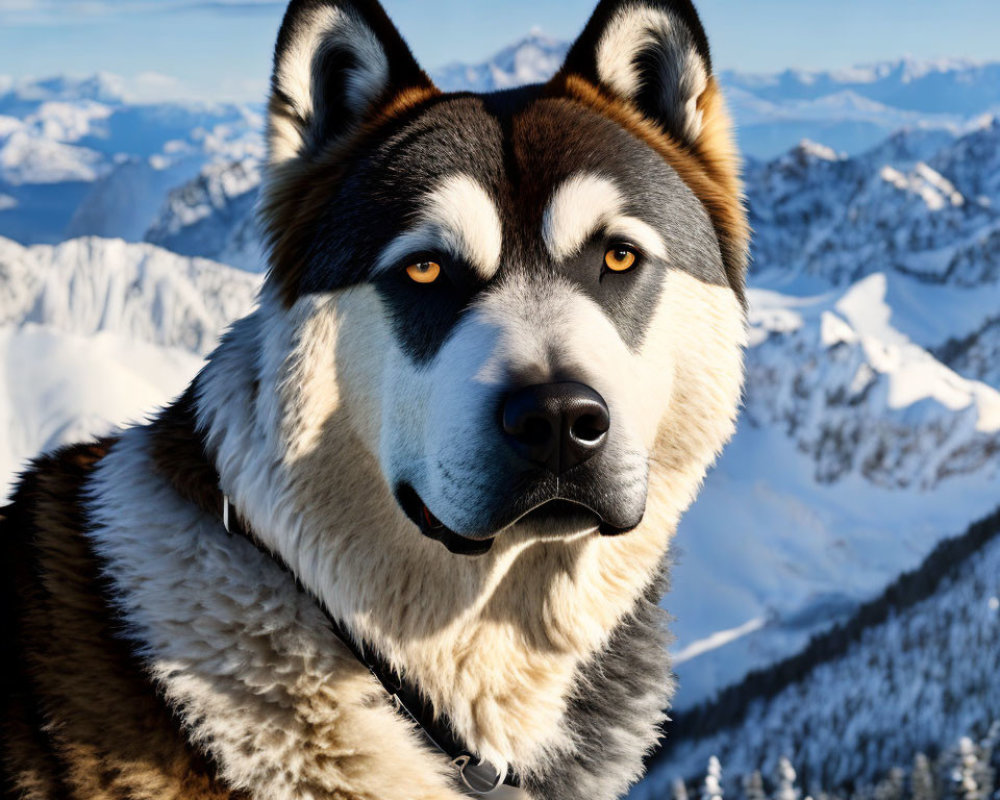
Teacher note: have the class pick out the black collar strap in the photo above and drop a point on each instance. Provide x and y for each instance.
(475, 775)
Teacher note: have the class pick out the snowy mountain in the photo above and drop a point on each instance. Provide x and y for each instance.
(531, 60)
(950, 85)
(871, 386)
(911, 671)
(857, 450)
(851, 110)
(77, 159)
(212, 215)
(937, 218)
(872, 420)
(96, 332)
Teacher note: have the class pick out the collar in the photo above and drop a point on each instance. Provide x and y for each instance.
(180, 453)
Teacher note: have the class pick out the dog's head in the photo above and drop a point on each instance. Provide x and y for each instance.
(532, 299)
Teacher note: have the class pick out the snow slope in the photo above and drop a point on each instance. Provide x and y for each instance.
(856, 451)
(95, 333)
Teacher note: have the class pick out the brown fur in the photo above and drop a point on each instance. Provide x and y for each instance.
(80, 717)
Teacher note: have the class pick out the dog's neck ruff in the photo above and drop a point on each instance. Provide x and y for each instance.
(474, 774)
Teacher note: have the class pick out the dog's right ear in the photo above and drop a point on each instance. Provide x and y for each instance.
(336, 63)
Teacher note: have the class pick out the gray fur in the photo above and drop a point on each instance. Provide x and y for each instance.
(619, 705)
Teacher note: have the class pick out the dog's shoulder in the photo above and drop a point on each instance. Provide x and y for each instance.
(80, 717)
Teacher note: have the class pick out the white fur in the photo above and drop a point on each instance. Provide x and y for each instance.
(308, 455)
(310, 465)
(636, 28)
(459, 217)
(585, 204)
(295, 73)
(246, 659)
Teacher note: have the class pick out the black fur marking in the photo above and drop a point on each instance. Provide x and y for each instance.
(615, 714)
(519, 156)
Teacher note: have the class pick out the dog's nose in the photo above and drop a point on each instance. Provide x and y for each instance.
(556, 425)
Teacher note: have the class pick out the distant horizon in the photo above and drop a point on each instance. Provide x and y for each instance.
(220, 50)
(154, 87)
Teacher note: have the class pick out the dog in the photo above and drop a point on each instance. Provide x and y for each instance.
(406, 533)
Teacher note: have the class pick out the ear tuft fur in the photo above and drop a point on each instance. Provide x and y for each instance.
(653, 54)
(335, 61)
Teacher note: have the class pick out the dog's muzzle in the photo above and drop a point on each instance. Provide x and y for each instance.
(553, 433)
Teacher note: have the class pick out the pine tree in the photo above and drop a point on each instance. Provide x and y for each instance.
(785, 778)
(712, 787)
(680, 791)
(922, 779)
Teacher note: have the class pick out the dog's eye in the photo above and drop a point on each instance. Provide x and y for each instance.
(424, 271)
(620, 258)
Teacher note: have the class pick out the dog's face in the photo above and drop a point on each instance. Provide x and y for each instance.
(538, 292)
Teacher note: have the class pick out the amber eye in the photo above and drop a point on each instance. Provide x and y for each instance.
(424, 271)
(620, 258)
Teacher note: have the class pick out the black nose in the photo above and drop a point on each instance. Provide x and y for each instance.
(556, 425)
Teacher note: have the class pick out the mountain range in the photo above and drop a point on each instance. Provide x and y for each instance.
(871, 427)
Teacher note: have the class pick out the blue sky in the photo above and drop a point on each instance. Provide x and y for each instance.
(221, 48)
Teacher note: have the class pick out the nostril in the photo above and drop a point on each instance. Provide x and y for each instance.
(590, 428)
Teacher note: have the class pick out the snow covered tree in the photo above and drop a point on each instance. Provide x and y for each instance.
(891, 787)
(989, 760)
(966, 773)
(753, 786)
(785, 779)
(680, 791)
(922, 779)
(711, 789)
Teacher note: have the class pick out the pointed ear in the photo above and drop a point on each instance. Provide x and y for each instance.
(653, 54)
(336, 63)
(646, 64)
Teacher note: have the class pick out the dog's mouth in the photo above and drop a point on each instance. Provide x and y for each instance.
(556, 516)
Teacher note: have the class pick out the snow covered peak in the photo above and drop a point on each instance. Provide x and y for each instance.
(808, 149)
(213, 215)
(900, 206)
(89, 286)
(860, 397)
(101, 87)
(531, 60)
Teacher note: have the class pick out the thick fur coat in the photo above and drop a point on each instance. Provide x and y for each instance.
(437, 262)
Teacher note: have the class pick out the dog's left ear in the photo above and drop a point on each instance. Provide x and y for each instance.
(336, 63)
(646, 64)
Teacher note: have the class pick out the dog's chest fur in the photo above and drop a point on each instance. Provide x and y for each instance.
(198, 635)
